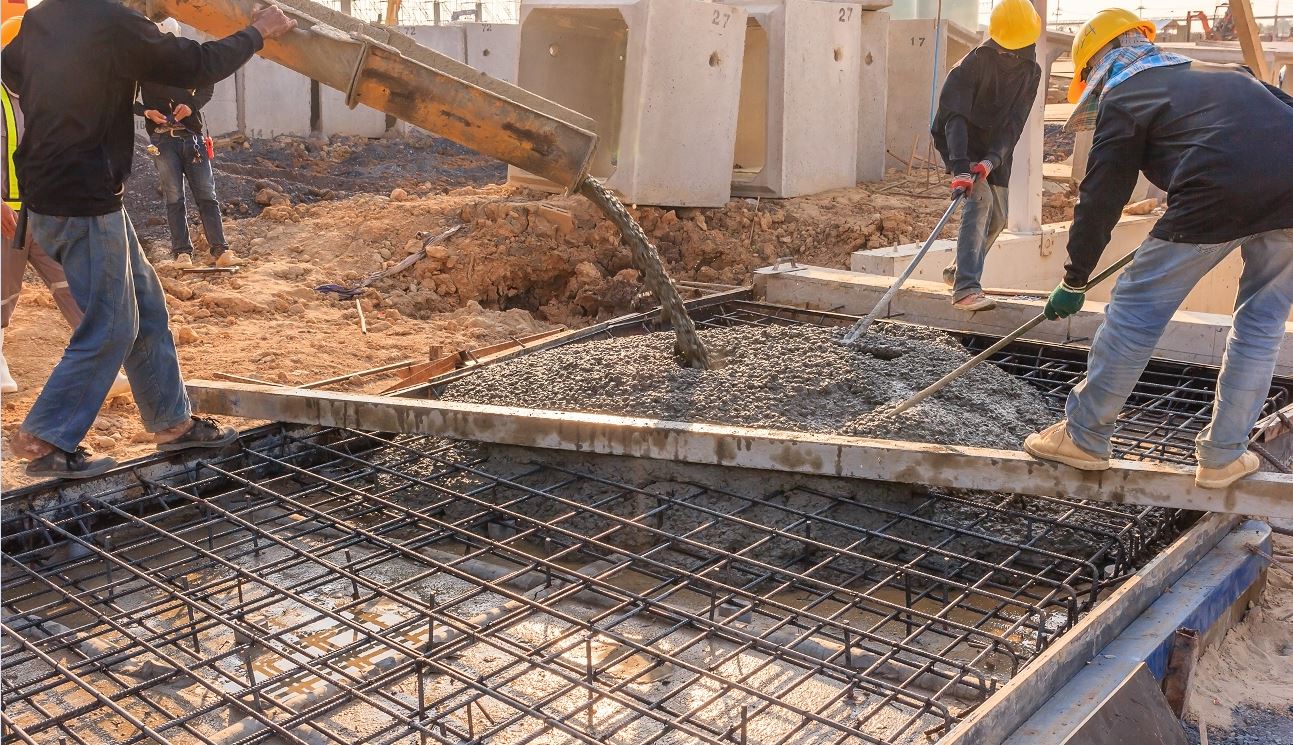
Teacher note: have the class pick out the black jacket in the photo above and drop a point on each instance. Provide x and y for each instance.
(1216, 139)
(75, 65)
(983, 107)
(164, 98)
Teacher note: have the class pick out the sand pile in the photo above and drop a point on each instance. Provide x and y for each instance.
(779, 377)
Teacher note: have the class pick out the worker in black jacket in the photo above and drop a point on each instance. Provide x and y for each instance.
(1220, 143)
(173, 119)
(981, 113)
(75, 65)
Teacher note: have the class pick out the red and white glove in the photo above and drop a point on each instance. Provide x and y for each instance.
(962, 182)
(981, 169)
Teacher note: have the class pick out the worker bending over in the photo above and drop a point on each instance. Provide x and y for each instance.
(75, 65)
(14, 259)
(981, 113)
(1220, 143)
(173, 119)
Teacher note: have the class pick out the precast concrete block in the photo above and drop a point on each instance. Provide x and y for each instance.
(449, 40)
(335, 118)
(276, 100)
(921, 52)
(494, 48)
(662, 79)
(796, 132)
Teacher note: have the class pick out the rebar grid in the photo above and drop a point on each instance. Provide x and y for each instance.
(347, 587)
(1169, 407)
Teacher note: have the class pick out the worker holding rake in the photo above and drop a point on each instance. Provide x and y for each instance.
(1220, 143)
(981, 113)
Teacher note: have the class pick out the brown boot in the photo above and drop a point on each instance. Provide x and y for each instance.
(202, 432)
(1054, 444)
(1220, 478)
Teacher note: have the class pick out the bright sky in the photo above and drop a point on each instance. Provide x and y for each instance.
(1071, 10)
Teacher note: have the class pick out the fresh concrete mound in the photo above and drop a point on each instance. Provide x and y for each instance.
(797, 378)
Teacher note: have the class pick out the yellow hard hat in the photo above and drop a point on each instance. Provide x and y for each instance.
(1103, 28)
(9, 29)
(1014, 24)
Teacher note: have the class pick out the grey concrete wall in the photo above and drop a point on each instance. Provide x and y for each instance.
(336, 118)
(494, 48)
(912, 44)
(276, 100)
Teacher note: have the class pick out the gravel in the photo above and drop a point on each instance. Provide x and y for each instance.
(795, 378)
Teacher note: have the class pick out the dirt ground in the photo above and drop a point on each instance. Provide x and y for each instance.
(1242, 689)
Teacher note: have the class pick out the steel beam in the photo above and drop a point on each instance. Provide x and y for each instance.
(796, 452)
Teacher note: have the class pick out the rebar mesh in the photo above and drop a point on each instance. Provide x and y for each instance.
(349, 587)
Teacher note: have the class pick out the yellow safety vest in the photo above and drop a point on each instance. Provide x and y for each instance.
(11, 145)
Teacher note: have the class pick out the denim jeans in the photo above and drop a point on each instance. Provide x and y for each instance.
(178, 159)
(125, 322)
(983, 219)
(1143, 301)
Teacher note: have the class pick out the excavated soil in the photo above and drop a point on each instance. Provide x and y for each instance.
(778, 377)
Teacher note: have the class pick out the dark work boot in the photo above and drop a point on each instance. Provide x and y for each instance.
(205, 433)
(60, 464)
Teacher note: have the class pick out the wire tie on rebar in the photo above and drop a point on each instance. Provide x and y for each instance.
(354, 583)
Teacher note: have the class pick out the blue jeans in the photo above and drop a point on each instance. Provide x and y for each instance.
(125, 322)
(177, 159)
(983, 219)
(1143, 301)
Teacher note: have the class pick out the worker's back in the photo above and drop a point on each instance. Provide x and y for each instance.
(1219, 142)
(75, 66)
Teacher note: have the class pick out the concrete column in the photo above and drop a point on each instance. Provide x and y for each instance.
(1025, 205)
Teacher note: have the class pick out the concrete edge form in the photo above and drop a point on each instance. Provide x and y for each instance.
(1190, 336)
(1027, 692)
(1009, 471)
(1198, 600)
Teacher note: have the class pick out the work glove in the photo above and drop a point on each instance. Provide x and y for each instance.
(981, 169)
(962, 181)
(1064, 302)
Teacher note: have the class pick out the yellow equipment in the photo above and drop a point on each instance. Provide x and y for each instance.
(12, 8)
(1014, 24)
(1103, 28)
(9, 29)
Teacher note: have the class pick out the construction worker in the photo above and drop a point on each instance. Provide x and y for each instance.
(14, 259)
(981, 113)
(173, 118)
(75, 67)
(1220, 143)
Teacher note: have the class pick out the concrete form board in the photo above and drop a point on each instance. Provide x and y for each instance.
(277, 100)
(1035, 262)
(661, 79)
(998, 717)
(799, 95)
(914, 45)
(1128, 482)
(1189, 337)
(1201, 599)
(494, 48)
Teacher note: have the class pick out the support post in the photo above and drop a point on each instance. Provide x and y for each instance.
(1025, 202)
(1250, 40)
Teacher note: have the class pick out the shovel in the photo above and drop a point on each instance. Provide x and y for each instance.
(859, 329)
(974, 361)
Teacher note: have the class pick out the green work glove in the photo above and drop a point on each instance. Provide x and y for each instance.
(1064, 302)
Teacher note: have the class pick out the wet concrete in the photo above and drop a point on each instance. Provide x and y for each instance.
(795, 378)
